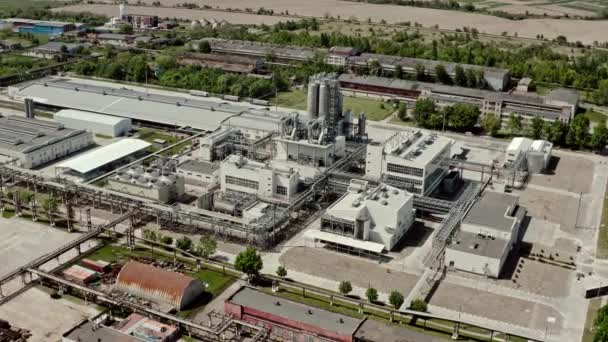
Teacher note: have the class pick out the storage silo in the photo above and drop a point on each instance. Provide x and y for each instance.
(323, 100)
(313, 100)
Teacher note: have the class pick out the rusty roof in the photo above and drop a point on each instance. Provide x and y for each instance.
(155, 281)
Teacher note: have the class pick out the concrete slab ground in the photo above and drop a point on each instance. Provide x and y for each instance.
(338, 267)
(22, 241)
(46, 318)
(551, 206)
(568, 173)
(493, 306)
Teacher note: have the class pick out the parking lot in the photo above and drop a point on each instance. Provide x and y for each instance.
(22, 241)
(567, 173)
(338, 267)
(482, 303)
(46, 318)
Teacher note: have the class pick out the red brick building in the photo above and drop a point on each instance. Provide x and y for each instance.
(291, 321)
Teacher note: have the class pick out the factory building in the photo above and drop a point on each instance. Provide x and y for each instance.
(288, 320)
(146, 329)
(199, 172)
(42, 27)
(496, 78)
(239, 174)
(33, 142)
(110, 126)
(80, 275)
(411, 160)
(487, 234)
(559, 104)
(532, 155)
(279, 53)
(53, 50)
(367, 217)
(134, 328)
(152, 183)
(338, 55)
(230, 64)
(103, 160)
(152, 283)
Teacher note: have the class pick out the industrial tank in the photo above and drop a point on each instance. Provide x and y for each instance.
(313, 100)
(323, 100)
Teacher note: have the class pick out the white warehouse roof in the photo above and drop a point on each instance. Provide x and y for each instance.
(89, 116)
(104, 155)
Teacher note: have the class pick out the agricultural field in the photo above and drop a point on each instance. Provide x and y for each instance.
(374, 110)
(585, 31)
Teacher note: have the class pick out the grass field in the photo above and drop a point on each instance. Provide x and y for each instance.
(150, 135)
(374, 110)
(602, 239)
(594, 305)
(596, 117)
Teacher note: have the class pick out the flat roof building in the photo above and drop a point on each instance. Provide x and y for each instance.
(231, 64)
(103, 159)
(56, 49)
(146, 329)
(381, 215)
(35, 142)
(199, 172)
(256, 49)
(240, 174)
(289, 320)
(156, 284)
(496, 78)
(106, 125)
(559, 104)
(410, 160)
(487, 234)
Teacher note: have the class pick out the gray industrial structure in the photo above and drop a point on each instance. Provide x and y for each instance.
(33, 142)
(109, 126)
(157, 184)
(559, 104)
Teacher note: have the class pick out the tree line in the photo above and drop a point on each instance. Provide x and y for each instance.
(465, 117)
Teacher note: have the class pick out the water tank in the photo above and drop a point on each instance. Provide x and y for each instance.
(323, 100)
(366, 231)
(224, 206)
(122, 10)
(362, 124)
(313, 100)
(195, 24)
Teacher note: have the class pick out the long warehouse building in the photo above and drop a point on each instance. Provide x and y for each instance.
(559, 104)
(168, 109)
(33, 143)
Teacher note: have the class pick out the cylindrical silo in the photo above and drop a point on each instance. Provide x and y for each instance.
(313, 99)
(323, 100)
(362, 123)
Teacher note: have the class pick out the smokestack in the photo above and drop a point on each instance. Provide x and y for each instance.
(29, 108)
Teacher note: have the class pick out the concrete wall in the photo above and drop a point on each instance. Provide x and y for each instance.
(474, 263)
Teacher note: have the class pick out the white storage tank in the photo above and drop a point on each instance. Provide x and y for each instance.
(323, 100)
(313, 100)
(110, 126)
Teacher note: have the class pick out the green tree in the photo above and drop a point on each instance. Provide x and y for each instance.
(442, 75)
(462, 116)
(345, 287)
(398, 71)
(420, 72)
(514, 124)
(460, 77)
(125, 29)
(419, 305)
(396, 299)
(599, 138)
(578, 133)
(536, 127)
(491, 124)
(149, 235)
(166, 240)
(184, 243)
(249, 262)
(555, 132)
(423, 109)
(600, 96)
(471, 78)
(26, 196)
(206, 246)
(205, 47)
(49, 205)
(166, 62)
(371, 294)
(374, 67)
(402, 111)
(281, 272)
